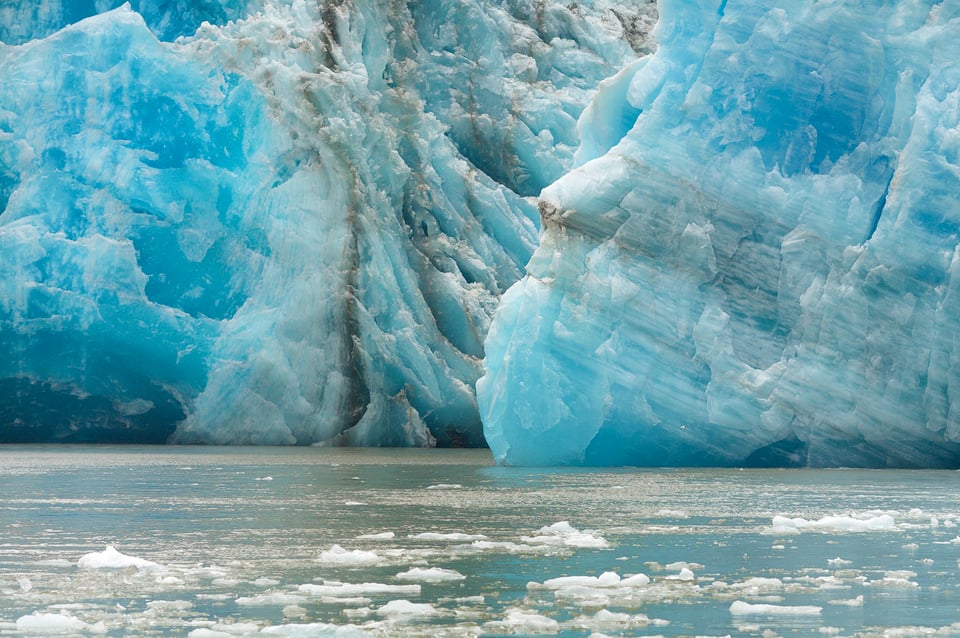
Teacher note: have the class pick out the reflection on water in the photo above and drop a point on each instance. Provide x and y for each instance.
(220, 542)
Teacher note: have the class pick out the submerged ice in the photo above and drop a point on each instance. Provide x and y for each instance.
(291, 225)
(756, 260)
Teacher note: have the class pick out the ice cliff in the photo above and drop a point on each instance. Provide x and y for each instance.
(756, 261)
(275, 221)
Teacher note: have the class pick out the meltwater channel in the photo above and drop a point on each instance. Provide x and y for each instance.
(224, 542)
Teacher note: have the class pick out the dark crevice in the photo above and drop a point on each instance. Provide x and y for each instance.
(358, 396)
(878, 210)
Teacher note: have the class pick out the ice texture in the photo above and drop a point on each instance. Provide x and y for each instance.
(24, 21)
(277, 222)
(756, 259)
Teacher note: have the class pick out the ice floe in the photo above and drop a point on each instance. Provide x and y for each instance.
(110, 558)
(879, 522)
(54, 624)
(563, 533)
(430, 575)
(740, 608)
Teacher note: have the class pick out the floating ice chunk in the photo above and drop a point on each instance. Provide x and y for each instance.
(169, 580)
(456, 537)
(895, 579)
(562, 533)
(849, 602)
(345, 590)
(316, 630)
(786, 525)
(606, 579)
(839, 562)
(225, 630)
(637, 580)
(226, 582)
(523, 621)
(406, 609)
(169, 605)
(759, 585)
(276, 599)
(382, 536)
(110, 558)
(685, 574)
(294, 611)
(740, 608)
(506, 546)
(831, 582)
(339, 556)
(612, 621)
(51, 624)
(265, 582)
(431, 575)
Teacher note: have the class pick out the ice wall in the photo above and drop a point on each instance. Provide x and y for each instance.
(292, 225)
(756, 262)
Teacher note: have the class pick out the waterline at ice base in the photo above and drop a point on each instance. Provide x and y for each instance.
(756, 260)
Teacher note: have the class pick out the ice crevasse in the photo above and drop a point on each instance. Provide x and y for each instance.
(275, 221)
(756, 259)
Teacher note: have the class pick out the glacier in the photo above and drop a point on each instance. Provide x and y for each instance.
(755, 261)
(276, 222)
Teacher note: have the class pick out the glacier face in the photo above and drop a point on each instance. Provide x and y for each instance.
(291, 225)
(756, 260)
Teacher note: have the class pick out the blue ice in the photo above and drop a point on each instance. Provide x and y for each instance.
(284, 222)
(756, 260)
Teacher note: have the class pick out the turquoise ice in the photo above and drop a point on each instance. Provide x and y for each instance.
(756, 260)
(274, 222)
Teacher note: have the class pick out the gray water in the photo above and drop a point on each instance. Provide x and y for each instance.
(224, 542)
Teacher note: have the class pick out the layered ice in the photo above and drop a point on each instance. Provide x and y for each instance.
(756, 261)
(290, 224)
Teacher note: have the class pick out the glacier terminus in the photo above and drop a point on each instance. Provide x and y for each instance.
(756, 259)
(546, 227)
(290, 222)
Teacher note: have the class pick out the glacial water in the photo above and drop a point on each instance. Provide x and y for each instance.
(221, 542)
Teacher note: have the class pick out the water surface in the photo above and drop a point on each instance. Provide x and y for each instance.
(349, 542)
